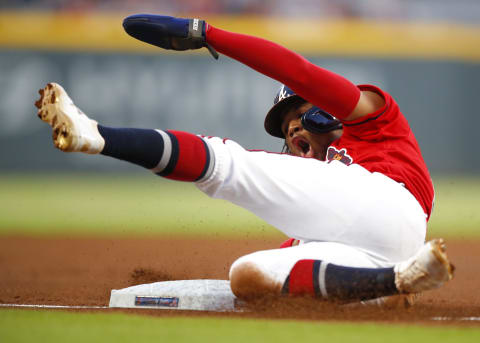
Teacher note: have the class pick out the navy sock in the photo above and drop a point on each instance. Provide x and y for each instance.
(175, 155)
(333, 282)
(140, 146)
(347, 283)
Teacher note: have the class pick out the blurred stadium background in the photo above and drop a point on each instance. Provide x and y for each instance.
(424, 52)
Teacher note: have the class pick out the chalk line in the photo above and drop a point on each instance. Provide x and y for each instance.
(456, 318)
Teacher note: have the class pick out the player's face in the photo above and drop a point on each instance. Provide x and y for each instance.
(304, 143)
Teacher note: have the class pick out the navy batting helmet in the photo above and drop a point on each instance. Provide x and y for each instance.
(314, 120)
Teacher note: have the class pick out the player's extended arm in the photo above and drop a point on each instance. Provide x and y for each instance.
(321, 87)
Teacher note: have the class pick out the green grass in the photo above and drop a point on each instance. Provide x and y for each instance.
(147, 205)
(116, 205)
(457, 207)
(53, 326)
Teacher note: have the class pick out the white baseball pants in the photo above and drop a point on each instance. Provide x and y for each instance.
(342, 214)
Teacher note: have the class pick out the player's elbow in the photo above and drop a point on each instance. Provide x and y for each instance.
(248, 281)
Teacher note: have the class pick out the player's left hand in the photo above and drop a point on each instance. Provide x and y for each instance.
(168, 32)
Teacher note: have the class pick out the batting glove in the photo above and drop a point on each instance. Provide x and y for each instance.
(168, 32)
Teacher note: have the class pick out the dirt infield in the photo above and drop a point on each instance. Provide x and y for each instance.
(81, 271)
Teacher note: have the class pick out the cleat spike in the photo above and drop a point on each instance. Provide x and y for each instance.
(72, 130)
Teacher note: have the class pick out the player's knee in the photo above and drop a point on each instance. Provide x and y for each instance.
(248, 281)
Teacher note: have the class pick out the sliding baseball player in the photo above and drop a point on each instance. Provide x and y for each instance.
(351, 190)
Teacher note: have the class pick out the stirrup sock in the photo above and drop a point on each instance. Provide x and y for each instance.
(338, 283)
(175, 155)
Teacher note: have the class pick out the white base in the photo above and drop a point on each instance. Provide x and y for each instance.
(200, 295)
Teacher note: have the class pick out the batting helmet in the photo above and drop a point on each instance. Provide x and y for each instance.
(314, 120)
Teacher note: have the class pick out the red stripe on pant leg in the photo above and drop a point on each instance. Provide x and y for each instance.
(301, 278)
(192, 157)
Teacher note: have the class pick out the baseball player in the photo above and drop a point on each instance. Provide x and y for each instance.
(352, 190)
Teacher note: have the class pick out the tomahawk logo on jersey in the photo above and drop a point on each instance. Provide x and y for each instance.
(338, 155)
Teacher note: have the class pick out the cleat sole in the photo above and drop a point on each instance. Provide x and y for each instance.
(50, 111)
(72, 130)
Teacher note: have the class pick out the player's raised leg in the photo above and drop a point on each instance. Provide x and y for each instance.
(172, 154)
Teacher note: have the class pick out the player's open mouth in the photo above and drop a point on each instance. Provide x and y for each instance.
(303, 146)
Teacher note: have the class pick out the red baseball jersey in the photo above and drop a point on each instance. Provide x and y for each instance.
(383, 142)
